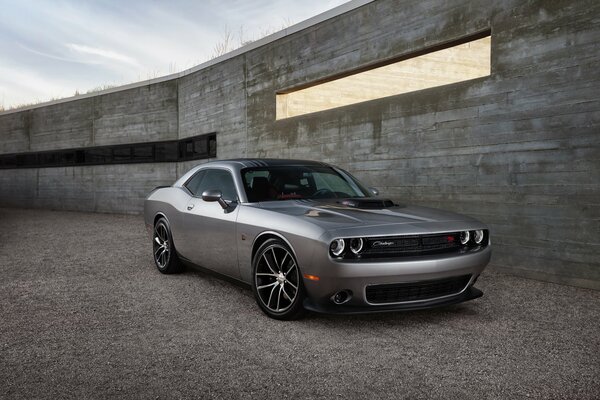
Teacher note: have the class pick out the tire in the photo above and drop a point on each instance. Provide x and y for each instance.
(277, 281)
(163, 249)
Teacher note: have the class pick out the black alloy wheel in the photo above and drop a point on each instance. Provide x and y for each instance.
(165, 257)
(277, 281)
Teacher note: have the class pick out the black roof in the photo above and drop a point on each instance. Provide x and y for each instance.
(273, 162)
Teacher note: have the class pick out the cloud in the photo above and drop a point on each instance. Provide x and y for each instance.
(84, 44)
(55, 57)
(108, 54)
(24, 86)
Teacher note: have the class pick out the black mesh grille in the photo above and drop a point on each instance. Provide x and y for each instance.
(411, 245)
(411, 291)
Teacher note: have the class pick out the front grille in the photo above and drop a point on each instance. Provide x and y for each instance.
(411, 245)
(414, 291)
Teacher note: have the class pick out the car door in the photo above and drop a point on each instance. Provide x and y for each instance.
(209, 231)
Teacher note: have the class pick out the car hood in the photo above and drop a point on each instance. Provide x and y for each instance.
(334, 215)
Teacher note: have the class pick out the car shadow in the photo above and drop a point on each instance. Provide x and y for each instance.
(427, 316)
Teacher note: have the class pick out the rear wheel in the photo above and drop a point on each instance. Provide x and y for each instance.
(165, 257)
(277, 283)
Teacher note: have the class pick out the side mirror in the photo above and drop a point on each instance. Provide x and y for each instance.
(215, 195)
(374, 191)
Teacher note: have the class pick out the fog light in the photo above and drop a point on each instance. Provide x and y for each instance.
(478, 236)
(341, 297)
(337, 247)
(356, 245)
(464, 237)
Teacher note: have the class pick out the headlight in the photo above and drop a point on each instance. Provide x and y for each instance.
(356, 245)
(478, 236)
(464, 237)
(337, 247)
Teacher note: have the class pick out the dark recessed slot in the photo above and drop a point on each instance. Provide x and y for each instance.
(68, 157)
(166, 151)
(193, 148)
(98, 155)
(212, 146)
(143, 153)
(27, 159)
(122, 154)
(9, 161)
(201, 147)
(79, 157)
(186, 149)
(48, 159)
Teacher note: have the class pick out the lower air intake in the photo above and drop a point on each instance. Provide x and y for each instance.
(414, 291)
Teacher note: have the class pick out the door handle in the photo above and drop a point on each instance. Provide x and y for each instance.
(190, 206)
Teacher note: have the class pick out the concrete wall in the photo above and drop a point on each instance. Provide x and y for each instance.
(148, 113)
(519, 149)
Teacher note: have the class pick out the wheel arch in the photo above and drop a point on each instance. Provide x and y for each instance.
(264, 236)
(162, 215)
(173, 263)
(158, 216)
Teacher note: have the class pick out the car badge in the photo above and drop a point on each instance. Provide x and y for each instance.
(381, 243)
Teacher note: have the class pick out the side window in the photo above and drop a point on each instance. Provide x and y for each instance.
(193, 184)
(220, 180)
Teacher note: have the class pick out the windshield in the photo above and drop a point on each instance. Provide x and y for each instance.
(299, 182)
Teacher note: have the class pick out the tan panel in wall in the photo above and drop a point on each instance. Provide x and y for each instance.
(455, 64)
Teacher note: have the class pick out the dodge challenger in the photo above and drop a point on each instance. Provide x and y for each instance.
(306, 235)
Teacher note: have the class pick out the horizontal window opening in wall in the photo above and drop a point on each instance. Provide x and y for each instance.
(192, 148)
(458, 61)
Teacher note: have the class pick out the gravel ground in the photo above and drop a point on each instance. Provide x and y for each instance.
(85, 314)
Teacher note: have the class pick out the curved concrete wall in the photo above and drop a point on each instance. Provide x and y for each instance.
(518, 149)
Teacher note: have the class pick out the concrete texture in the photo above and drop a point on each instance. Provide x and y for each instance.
(85, 314)
(518, 149)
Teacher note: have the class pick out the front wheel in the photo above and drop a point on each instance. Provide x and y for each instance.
(277, 283)
(165, 257)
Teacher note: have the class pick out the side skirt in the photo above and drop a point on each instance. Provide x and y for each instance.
(237, 282)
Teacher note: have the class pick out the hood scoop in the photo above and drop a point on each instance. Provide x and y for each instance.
(367, 204)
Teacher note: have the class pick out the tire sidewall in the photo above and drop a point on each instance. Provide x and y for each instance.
(170, 265)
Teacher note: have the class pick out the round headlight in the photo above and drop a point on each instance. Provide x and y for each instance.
(478, 237)
(337, 247)
(464, 237)
(356, 245)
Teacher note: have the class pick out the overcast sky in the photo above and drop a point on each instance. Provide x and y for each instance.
(50, 49)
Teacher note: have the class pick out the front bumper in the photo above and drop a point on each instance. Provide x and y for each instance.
(469, 294)
(355, 276)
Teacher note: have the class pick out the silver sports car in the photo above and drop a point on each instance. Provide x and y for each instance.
(308, 235)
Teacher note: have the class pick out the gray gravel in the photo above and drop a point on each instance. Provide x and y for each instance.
(85, 314)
